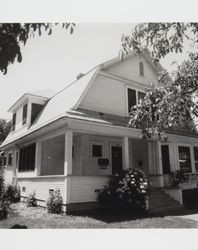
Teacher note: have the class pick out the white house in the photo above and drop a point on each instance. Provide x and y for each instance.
(77, 138)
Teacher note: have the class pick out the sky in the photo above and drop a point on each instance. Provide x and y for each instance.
(52, 62)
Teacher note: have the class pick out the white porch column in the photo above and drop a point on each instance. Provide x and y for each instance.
(125, 150)
(68, 152)
(38, 159)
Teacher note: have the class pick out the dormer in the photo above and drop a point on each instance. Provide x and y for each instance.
(28, 107)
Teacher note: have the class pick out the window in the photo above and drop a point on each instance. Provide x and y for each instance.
(196, 158)
(36, 109)
(96, 149)
(13, 121)
(141, 67)
(131, 99)
(27, 158)
(184, 159)
(141, 96)
(10, 157)
(24, 114)
(4, 160)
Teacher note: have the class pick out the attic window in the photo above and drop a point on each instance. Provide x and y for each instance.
(13, 121)
(141, 67)
(24, 114)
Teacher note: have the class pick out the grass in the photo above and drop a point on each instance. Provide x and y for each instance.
(39, 218)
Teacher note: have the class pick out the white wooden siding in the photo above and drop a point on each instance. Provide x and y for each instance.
(82, 188)
(105, 95)
(129, 69)
(41, 186)
(8, 175)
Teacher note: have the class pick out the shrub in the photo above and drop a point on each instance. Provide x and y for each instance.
(127, 190)
(2, 183)
(176, 177)
(4, 207)
(54, 202)
(12, 193)
(31, 200)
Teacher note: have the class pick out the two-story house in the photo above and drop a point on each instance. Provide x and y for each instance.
(77, 138)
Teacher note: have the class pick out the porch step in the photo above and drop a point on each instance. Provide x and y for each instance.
(159, 201)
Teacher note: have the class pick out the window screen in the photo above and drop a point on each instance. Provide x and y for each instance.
(131, 98)
(53, 156)
(96, 150)
(184, 159)
(27, 158)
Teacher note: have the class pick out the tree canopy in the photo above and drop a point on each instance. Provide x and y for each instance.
(5, 127)
(172, 103)
(14, 35)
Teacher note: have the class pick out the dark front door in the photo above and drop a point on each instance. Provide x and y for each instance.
(165, 159)
(116, 154)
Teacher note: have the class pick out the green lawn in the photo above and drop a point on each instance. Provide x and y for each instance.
(39, 218)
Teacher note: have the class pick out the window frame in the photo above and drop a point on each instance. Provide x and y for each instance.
(14, 121)
(96, 143)
(25, 111)
(137, 90)
(10, 154)
(191, 156)
(141, 69)
(21, 168)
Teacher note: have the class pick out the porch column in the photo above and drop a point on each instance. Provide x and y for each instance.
(68, 152)
(125, 150)
(38, 158)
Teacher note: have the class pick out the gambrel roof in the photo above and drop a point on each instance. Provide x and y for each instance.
(64, 104)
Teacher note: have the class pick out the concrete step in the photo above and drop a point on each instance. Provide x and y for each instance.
(159, 201)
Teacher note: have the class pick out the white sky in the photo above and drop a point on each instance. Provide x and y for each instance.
(52, 62)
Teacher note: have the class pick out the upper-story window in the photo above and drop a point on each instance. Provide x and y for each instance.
(134, 97)
(13, 121)
(141, 68)
(131, 98)
(24, 114)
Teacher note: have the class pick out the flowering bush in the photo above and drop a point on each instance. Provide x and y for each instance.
(128, 190)
(54, 202)
(12, 193)
(31, 200)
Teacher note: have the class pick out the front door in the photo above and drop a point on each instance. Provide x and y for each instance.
(116, 159)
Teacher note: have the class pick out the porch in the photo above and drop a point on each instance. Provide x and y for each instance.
(79, 164)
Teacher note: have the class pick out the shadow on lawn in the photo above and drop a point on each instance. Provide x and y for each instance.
(120, 216)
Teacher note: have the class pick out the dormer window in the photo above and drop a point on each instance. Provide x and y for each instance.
(141, 68)
(24, 114)
(13, 121)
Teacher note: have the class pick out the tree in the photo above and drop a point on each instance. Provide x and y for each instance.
(160, 38)
(15, 35)
(174, 101)
(5, 127)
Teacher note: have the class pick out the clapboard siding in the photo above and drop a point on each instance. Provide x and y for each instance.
(8, 175)
(106, 95)
(41, 186)
(129, 69)
(82, 188)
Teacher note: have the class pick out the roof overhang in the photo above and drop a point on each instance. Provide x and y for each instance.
(24, 98)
